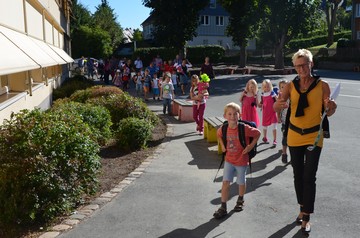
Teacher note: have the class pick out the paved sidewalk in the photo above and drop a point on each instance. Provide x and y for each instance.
(175, 195)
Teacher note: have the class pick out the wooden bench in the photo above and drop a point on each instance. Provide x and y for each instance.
(184, 109)
(211, 125)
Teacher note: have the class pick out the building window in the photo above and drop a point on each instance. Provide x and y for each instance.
(204, 20)
(219, 20)
(205, 42)
(357, 10)
(212, 4)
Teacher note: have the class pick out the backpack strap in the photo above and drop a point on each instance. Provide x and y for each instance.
(242, 139)
(241, 130)
(224, 132)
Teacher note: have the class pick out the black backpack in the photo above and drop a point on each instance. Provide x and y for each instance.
(241, 129)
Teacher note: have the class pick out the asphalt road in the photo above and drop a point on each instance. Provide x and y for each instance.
(176, 196)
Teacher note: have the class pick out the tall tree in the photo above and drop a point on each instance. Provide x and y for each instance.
(331, 7)
(243, 23)
(91, 41)
(105, 18)
(175, 21)
(80, 16)
(281, 24)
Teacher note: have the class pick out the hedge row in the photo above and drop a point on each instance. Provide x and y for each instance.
(50, 159)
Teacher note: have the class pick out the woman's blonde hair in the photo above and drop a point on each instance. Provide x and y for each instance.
(253, 82)
(303, 53)
(232, 105)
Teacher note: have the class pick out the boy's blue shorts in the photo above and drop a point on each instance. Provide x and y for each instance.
(230, 170)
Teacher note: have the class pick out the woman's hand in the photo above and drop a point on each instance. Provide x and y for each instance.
(330, 106)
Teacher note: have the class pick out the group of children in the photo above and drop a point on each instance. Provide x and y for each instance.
(250, 100)
(146, 84)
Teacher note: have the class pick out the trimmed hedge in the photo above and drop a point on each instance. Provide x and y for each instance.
(94, 92)
(98, 118)
(47, 161)
(123, 105)
(195, 54)
(70, 85)
(316, 40)
(133, 133)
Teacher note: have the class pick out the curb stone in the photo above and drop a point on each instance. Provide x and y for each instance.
(86, 211)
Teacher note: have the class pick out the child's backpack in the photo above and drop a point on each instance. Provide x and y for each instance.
(241, 129)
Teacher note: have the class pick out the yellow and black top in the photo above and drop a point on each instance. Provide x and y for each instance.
(305, 116)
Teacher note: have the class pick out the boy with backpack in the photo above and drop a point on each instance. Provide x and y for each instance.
(236, 157)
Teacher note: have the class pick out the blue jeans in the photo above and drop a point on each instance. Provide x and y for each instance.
(167, 103)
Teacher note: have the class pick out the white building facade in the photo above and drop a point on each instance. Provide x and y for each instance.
(35, 52)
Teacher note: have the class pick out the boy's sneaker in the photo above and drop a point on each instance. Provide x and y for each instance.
(220, 213)
(265, 140)
(284, 158)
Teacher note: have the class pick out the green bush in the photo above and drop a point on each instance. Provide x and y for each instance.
(47, 161)
(70, 85)
(94, 92)
(123, 105)
(197, 54)
(133, 133)
(316, 40)
(98, 118)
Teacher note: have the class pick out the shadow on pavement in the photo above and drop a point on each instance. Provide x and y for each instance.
(200, 231)
(202, 156)
(285, 230)
(257, 182)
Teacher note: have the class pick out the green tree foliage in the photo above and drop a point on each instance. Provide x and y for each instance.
(175, 21)
(281, 24)
(331, 9)
(94, 42)
(80, 16)
(105, 19)
(243, 22)
(137, 36)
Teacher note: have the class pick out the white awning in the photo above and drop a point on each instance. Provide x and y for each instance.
(62, 54)
(47, 49)
(29, 47)
(13, 59)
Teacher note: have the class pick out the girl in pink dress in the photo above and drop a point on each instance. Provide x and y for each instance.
(269, 116)
(248, 100)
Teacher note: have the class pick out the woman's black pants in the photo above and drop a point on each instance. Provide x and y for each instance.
(305, 164)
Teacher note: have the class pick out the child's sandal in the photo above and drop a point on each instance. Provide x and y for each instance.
(239, 206)
(220, 213)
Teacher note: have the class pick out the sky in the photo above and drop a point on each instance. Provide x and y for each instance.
(130, 13)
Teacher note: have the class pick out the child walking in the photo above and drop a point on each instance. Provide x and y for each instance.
(138, 80)
(155, 87)
(249, 102)
(147, 83)
(167, 93)
(283, 117)
(236, 157)
(269, 116)
(199, 104)
(117, 81)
